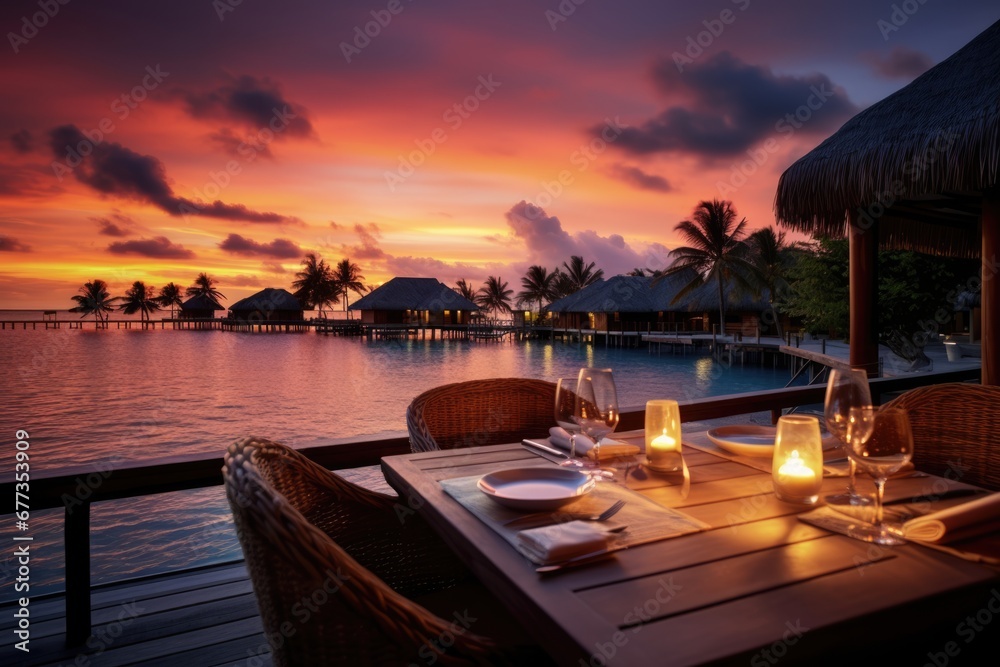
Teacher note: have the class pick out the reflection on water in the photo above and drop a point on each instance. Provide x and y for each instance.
(98, 398)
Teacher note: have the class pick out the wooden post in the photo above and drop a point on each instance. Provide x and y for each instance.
(863, 242)
(77, 547)
(991, 289)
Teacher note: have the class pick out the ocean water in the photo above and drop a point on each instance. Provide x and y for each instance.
(98, 398)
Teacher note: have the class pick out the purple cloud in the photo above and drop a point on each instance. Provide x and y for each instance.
(278, 248)
(159, 247)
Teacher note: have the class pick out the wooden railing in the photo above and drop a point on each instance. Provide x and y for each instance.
(51, 489)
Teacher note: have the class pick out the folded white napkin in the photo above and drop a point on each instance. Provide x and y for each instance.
(559, 437)
(970, 519)
(561, 541)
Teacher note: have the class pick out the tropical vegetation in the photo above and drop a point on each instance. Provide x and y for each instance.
(204, 285)
(493, 296)
(170, 297)
(139, 299)
(715, 251)
(537, 286)
(347, 277)
(94, 298)
(314, 284)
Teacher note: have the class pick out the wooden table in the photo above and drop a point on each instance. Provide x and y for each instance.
(759, 586)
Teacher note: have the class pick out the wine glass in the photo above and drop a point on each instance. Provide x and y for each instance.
(564, 411)
(888, 448)
(847, 389)
(596, 406)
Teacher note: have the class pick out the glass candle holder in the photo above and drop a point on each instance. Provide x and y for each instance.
(797, 467)
(663, 436)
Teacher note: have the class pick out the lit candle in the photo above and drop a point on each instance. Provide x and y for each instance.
(664, 443)
(797, 467)
(663, 435)
(796, 479)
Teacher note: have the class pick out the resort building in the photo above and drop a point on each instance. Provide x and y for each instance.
(414, 301)
(199, 308)
(635, 303)
(272, 304)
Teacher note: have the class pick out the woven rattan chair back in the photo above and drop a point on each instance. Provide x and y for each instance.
(311, 542)
(956, 431)
(481, 412)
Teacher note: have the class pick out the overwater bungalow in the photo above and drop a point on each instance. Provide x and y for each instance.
(272, 304)
(199, 307)
(414, 301)
(634, 303)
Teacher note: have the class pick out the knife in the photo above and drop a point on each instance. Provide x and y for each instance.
(931, 497)
(534, 444)
(578, 560)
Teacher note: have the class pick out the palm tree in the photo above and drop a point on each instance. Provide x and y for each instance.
(770, 260)
(537, 285)
(170, 295)
(347, 277)
(465, 289)
(205, 284)
(139, 299)
(314, 284)
(714, 251)
(494, 296)
(579, 275)
(95, 298)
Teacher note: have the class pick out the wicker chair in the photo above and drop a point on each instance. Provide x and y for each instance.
(334, 567)
(956, 431)
(480, 412)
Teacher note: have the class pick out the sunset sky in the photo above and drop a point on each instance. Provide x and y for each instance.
(456, 139)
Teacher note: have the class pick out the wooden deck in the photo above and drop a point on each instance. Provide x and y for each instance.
(197, 617)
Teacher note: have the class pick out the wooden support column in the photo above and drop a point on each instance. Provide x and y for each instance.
(991, 288)
(77, 548)
(863, 244)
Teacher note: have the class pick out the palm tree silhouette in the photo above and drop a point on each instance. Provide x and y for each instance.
(494, 295)
(579, 275)
(770, 259)
(314, 284)
(95, 298)
(139, 299)
(715, 251)
(538, 285)
(465, 289)
(348, 278)
(170, 295)
(205, 284)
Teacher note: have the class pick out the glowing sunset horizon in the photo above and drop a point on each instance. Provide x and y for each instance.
(453, 140)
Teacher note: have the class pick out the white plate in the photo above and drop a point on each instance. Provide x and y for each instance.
(752, 440)
(535, 489)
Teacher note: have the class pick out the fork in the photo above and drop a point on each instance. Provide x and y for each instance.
(542, 518)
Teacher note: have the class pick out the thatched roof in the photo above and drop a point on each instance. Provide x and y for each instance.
(918, 161)
(634, 294)
(267, 300)
(201, 302)
(413, 294)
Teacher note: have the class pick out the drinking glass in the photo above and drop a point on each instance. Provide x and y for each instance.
(596, 406)
(847, 390)
(564, 411)
(888, 448)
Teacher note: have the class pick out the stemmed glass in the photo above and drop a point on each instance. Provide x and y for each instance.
(848, 404)
(887, 449)
(565, 408)
(596, 406)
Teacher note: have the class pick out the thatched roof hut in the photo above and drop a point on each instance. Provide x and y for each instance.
(268, 305)
(413, 301)
(918, 171)
(631, 300)
(199, 307)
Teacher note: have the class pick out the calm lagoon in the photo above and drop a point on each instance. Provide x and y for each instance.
(97, 398)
